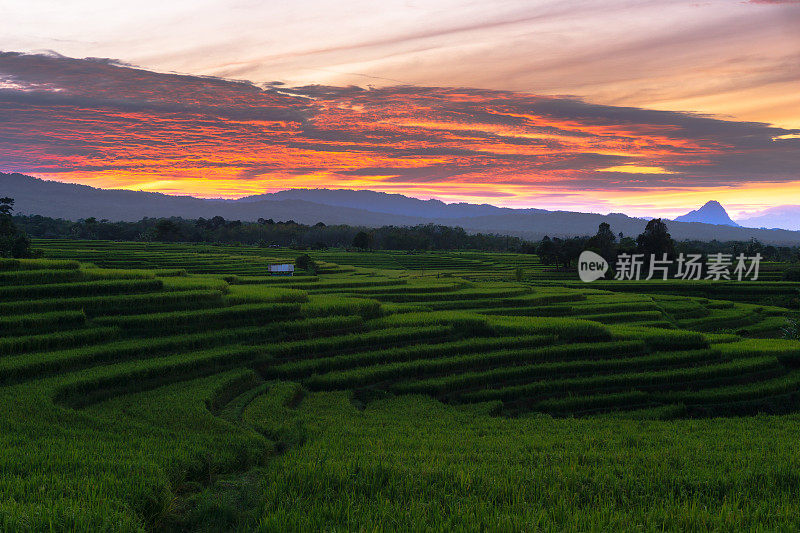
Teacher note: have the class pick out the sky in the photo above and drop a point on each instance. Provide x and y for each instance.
(642, 107)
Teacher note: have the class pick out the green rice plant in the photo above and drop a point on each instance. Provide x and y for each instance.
(770, 326)
(754, 292)
(195, 282)
(170, 272)
(719, 338)
(789, 383)
(274, 280)
(594, 402)
(346, 284)
(245, 314)
(35, 323)
(683, 308)
(613, 306)
(308, 366)
(18, 344)
(787, 351)
(33, 277)
(239, 294)
(660, 339)
(544, 311)
(719, 304)
(540, 300)
(317, 327)
(374, 338)
(464, 322)
(668, 379)
(270, 415)
(360, 377)
(338, 305)
(37, 264)
(659, 324)
(566, 329)
(415, 288)
(557, 363)
(622, 317)
(118, 304)
(467, 294)
(722, 318)
(662, 412)
(100, 383)
(32, 365)
(228, 390)
(116, 273)
(82, 288)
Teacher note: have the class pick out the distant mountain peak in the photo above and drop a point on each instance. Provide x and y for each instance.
(712, 212)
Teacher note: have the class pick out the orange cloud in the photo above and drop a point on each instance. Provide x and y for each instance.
(107, 125)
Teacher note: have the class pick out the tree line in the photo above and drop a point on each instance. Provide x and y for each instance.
(268, 232)
(559, 253)
(656, 241)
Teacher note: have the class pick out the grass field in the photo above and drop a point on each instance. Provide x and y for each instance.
(151, 386)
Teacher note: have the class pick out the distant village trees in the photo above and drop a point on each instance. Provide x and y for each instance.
(269, 232)
(564, 253)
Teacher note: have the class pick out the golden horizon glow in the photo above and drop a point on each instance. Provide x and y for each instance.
(746, 200)
(637, 169)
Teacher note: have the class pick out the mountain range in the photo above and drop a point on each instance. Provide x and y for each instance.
(784, 216)
(358, 208)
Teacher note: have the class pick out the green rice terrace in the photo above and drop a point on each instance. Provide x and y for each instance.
(173, 387)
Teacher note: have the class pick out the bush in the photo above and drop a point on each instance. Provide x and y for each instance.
(304, 262)
(791, 274)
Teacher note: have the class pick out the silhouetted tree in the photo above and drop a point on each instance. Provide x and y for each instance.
(13, 242)
(548, 251)
(604, 242)
(7, 226)
(655, 240)
(571, 249)
(362, 240)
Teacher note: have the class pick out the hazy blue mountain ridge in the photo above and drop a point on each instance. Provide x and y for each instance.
(357, 208)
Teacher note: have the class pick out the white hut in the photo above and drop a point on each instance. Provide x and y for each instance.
(282, 269)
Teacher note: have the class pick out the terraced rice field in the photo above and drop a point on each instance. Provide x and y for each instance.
(252, 261)
(167, 386)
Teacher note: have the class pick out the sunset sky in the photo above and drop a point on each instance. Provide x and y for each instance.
(642, 107)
